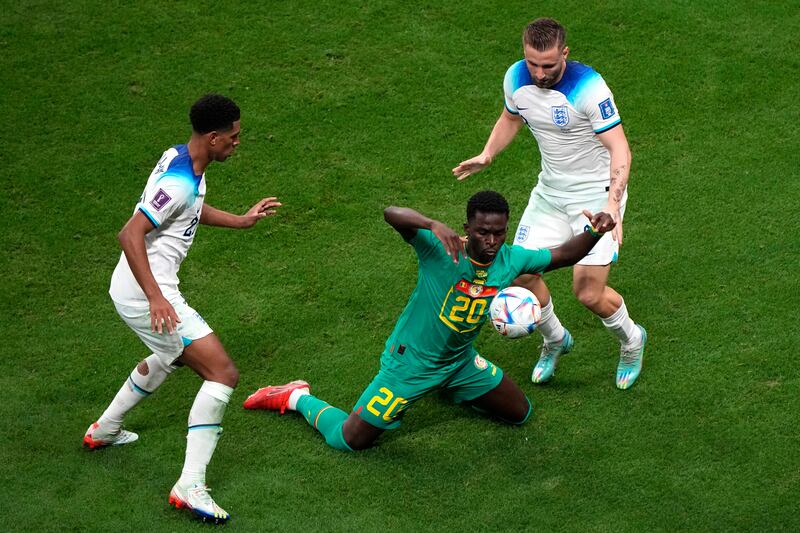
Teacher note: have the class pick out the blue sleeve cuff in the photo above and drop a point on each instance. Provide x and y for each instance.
(601, 130)
(149, 216)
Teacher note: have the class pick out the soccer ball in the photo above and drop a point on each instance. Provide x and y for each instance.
(515, 311)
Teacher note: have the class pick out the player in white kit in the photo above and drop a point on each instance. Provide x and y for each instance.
(144, 288)
(571, 112)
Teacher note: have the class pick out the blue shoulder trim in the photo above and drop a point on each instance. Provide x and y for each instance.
(576, 77)
(520, 76)
(182, 164)
(149, 216)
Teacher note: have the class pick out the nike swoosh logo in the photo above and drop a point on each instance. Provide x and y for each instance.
(522, 108)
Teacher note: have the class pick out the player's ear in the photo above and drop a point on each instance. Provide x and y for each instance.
(566, 51)
(212, 138)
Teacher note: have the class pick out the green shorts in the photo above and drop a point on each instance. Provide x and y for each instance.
(401, 382)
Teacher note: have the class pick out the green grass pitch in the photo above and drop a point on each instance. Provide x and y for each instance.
(348, 108)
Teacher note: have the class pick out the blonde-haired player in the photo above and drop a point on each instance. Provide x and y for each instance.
(585, 164)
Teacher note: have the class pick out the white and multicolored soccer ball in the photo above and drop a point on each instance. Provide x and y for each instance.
(515, 312)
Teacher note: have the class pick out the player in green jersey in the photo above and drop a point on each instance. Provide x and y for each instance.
(431, 347)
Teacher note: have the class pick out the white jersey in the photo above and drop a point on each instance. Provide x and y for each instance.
(565, 120)
(172, 201)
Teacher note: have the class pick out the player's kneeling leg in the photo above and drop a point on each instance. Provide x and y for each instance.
(506, 402)
(326, 419)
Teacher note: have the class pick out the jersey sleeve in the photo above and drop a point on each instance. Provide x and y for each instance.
(516, 76)
(597, 102)
(169, 196)
(508, 91)
(530, 261)
(426, 244)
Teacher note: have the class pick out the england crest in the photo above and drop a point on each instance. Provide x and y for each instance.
(522, 234)
(560, 115)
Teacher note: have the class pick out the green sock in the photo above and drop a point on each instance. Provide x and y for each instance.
(326, 419)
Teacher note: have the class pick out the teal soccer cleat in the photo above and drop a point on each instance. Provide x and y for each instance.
(630, 363)
(546, 366)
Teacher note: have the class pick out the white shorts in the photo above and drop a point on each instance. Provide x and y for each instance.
(549, 222)
(167, 347)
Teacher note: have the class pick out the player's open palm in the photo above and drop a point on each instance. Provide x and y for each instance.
(453, 244)
(266, 207)
(471, 166)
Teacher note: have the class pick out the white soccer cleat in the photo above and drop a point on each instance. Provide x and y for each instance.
(197, 499)
(95, 438)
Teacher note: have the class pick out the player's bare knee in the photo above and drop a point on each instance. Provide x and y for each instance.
(529, 281)
(360, 441)
(358, 434)
(226, 373)
(232, 375)
(143, 368)
(589, 296)
(523, 412)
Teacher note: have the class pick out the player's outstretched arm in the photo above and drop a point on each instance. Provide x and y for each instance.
(211, 216)
(131, 238)
(504, 131)
(577, 247)
(407, 221)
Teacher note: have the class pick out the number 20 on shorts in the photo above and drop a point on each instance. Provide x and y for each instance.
(386, 398)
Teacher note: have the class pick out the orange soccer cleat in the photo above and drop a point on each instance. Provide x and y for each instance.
(274, 397)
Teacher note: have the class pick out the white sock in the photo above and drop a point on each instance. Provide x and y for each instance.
(135, 388)
(205, 418)
(294, 396)
(622, 327)
(550, 326)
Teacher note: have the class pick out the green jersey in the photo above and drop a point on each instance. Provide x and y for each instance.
(451, 301)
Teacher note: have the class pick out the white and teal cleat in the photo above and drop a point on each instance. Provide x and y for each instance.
(197, 499)
(630, 363)
(546, 366)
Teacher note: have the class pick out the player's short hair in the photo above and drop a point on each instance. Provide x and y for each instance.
(544, 33)
(486, 202)
(213, 112)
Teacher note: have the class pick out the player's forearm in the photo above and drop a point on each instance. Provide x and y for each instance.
(620, 171)
(136, 253)
(404, 218)
(211, 216)
(504, 131)
(573, 250)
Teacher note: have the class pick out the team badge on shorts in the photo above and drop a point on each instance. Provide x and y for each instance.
(560, 115)
(480, 363)
(606, 108)
(160, 200)
(522, 234)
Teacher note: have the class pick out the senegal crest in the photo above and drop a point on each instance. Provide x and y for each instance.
(475, 290)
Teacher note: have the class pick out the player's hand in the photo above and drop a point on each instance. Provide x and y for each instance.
(449, 238)
(264, 208)
(602, 222)
(472, 166)
(162, 315)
